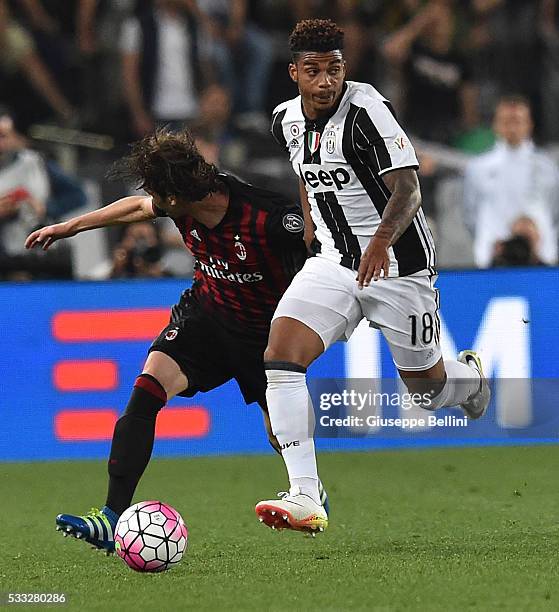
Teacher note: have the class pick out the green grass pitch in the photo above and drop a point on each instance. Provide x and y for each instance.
(450, 529)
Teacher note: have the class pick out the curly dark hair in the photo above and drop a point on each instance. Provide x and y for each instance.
(169, 164)
(319, 35)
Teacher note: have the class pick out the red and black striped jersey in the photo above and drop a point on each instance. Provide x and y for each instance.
(244, 264)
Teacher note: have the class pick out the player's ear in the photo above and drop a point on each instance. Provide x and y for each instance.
(293, 73)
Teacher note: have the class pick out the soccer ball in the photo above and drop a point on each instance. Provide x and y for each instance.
(150, 536)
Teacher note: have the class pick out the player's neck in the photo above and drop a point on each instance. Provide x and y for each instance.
(313, 115)
(211, 210)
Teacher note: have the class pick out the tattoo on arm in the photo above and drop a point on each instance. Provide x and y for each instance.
(402, 205)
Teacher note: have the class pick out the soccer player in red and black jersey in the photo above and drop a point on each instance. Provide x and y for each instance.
(248, 245)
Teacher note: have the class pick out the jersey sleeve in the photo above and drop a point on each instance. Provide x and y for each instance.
(277, 128)
(377, 131)
(285, 224)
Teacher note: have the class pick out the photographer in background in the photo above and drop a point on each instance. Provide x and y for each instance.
(521, 248)
(139, 252)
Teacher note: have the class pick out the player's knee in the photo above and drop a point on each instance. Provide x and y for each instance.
(167, 372)
(291, 341)
(169, 381)
(275, 353)
(299, 356)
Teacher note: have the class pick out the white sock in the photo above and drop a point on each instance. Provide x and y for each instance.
(461, 383)
(293, 425)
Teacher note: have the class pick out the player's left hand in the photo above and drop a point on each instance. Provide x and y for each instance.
(374, 261)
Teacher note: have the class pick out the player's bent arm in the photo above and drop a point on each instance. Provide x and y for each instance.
(397, 216)
(126, 210)
(402, 205)
(308, 236)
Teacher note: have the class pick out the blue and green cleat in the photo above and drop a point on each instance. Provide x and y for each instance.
(97, 527)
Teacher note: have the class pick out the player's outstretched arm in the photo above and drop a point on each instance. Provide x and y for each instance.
(397, 216)
(125, 210)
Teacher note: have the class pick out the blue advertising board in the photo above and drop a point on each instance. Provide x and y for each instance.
(71, 352)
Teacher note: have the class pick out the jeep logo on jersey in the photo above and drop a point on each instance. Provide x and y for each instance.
(338, 177)
(293, 223)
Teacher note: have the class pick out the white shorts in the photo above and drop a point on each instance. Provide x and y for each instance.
(325, 297)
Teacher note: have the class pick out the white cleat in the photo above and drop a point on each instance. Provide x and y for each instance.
(294, 510)
(477, 404)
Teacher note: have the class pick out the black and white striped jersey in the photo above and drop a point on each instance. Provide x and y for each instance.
(341, 161)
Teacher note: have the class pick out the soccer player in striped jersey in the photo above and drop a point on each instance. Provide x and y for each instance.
(248, 245)
(360, 193)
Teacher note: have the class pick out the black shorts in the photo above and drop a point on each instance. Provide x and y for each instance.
(210, 354)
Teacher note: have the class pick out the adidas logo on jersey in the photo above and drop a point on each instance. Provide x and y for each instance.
(195, 234)
(338, 177)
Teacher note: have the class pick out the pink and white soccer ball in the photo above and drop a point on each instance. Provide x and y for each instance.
(150, 537)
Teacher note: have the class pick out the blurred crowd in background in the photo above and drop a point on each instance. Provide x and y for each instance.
(475, 84)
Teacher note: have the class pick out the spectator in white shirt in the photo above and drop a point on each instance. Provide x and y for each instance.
(512, 180)
(24, 188)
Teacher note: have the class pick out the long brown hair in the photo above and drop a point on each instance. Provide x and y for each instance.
(169, 164)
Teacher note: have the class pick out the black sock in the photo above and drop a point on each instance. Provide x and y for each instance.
(133, 441)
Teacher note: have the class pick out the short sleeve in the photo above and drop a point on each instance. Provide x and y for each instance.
(277, 128)
(285, 224)
(377, 131)
(130, 36)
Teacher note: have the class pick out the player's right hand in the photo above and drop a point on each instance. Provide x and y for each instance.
(46, 236)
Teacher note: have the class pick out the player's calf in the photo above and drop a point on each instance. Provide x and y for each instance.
(461, 383)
